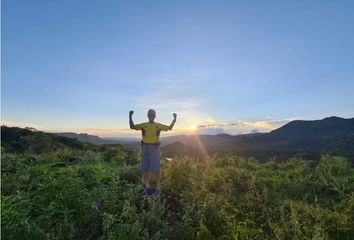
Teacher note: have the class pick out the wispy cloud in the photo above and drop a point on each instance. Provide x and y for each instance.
(172, 95)
(106, 132)
(211, 126)
(10, 123)
(121, 132)
(242, 126)
(176, 90)
(210, 131)
(264, 124)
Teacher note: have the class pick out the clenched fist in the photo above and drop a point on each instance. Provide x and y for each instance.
(174, 116)
(131, 113)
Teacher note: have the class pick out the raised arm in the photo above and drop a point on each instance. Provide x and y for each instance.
(173, 121)
(131, 123)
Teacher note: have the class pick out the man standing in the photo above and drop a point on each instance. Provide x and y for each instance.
(150, 147)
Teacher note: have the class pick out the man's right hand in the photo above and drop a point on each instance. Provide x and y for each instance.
(131, 113)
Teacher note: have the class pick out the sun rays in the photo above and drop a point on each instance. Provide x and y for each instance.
(192, 128)
(201, 148)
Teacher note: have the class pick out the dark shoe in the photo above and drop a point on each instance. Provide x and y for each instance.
(158, 192)
(146, 191)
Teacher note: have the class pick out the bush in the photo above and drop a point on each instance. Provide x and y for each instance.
(93, 193)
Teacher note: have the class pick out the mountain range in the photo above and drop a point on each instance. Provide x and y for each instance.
(299, 138)
(96, 140)
(306, 139)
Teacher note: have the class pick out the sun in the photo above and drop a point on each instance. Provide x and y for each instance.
(192, 128)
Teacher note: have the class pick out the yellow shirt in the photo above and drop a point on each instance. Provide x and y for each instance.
(151, 131)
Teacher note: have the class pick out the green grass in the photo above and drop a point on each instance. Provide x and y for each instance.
(53, 194)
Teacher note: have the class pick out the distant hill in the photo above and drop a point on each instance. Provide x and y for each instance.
(15, 139)
(96, 140)
(84, 137)
(177, 149)
(331, 127)
(306, 139)
(122, 139)
(208, 140)
(190, 140)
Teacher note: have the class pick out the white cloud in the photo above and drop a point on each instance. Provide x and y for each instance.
(210, 120)
(210, 126)
(11, 123)
(175, 90)
(210, 131)
(242, 127)
(167, 99)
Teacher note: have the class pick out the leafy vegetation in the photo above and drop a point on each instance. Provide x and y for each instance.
(57, 188)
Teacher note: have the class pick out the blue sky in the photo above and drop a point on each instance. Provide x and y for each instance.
(82, 65)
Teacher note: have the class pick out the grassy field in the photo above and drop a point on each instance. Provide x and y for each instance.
(80, 191)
